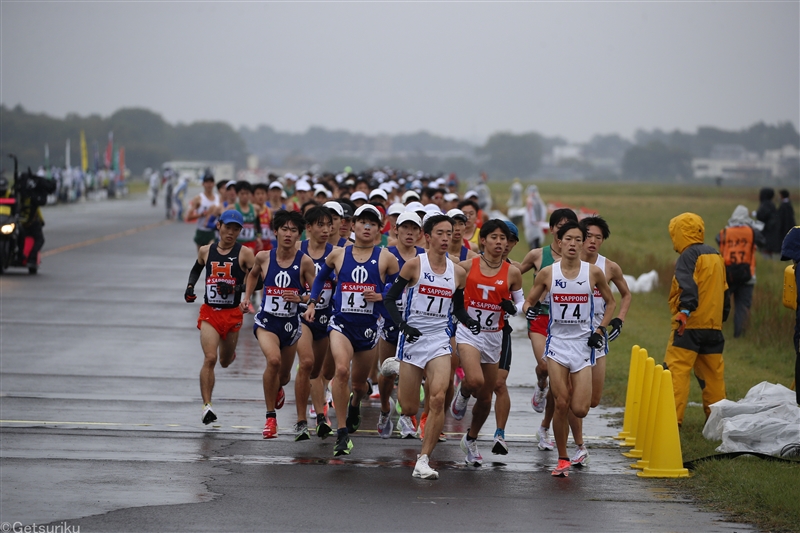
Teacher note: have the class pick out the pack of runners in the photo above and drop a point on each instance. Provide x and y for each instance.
(388, 281)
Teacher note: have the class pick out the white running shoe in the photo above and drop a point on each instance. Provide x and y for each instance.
(385, 425)
(545, 443)
(406, 427)
(458, 407)
(581, 457)
(312, 413)
(423, 470)
(208, 414)
(539, 398)
(390, 367)
(470, 448)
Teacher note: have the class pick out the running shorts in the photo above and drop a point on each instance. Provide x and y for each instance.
(201, 237)
(319, 328)
(425, 349)
(572, 354)
(224, 321)
(539, 325)
(286, 329)
(362, 337)
(488, 343)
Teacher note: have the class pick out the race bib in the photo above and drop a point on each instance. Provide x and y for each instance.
(325, 296)
(487, 314)
(353, 298)
(432, 301)
(276, 305)
(220, 291)
(248, 232)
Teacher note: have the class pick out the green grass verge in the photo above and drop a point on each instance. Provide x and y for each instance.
(751, 490)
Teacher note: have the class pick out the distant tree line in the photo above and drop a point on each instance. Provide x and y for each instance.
(149, 141)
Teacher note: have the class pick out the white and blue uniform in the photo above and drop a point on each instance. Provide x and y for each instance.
(388, 329)
(353, 316)
(428, 307)
(599, 306)
(571, 319)
(322, 309)
(276, 314)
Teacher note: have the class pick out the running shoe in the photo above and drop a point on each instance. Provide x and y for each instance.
(500, 447)
(385, 425)
(324, 428)
(459, 376)
(329, 398)
(562, 470)
(312, 413)
(353, 416)
(545, 443)
(208, 414)
(270, 428)
(344, 445)
(406, 427)
(581, 457)
(421, 429)
(539, 398)
(423, 470)
(470, 448)
(280, 399)
(301, 431)
(376, 392)
(458, 408)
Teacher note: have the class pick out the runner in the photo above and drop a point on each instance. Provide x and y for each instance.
(502, 402)
(226, 264)
(337, 216)
(361, 272)
(572, 338)
(205, 207)
(457, 248)
(251, 232)
(490, 286)
(471, 231)
(434, 283)
(313, 344)
(277, 325)
(537, 259)
(408, 228)
(596, 233)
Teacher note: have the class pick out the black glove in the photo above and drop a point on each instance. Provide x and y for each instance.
(616, 329)
(189, 295)
(595, 341)
(474, 326)
(508, 306)
(534, 311)
(225, 289)
(412, 334)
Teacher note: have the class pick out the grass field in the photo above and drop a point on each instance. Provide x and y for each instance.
(766, 494)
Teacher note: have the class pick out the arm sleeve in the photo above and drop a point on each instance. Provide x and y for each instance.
(194, 275)
(458, 307)
(257, 226)
(390, 299)
(518, 298)
(319, 282)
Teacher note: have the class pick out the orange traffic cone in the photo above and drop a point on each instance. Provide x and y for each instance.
(626, 422)
(666, 459)
(630, 440)
(655, 390)
(644, 406)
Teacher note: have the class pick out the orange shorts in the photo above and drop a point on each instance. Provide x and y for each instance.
(223, 320)
(539, 325)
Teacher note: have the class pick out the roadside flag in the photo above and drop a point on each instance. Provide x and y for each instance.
(121, 163)
(110, 149)
(68, 157)
(84, 153)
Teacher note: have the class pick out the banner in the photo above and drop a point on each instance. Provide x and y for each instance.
(84, 153)
(110, 150)
(121, 163)
(67, 157)
(47, 159)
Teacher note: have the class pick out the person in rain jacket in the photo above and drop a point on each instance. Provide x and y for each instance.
(699, 304)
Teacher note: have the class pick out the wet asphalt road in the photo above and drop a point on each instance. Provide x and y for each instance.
(100, 419)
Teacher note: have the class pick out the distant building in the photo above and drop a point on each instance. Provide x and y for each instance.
(223, 170)
(735, 162)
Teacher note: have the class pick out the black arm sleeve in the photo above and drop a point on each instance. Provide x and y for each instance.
(458, 307)
(194, 275)
(390, 302)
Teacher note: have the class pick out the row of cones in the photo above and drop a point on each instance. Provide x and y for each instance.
(650, 426)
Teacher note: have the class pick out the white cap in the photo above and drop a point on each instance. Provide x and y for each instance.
(470, 194)
(320, 189)
(230, 183)
(386, 186)
(369, 207)
(378, 192)
(302, 185)
(416, 184)
(396, 209)
(358, 195)
(289, 176)
(409, 216)
(283, 194)
(410, 194)
(439, 183)
(415, 206)
(449, 197)
(433, 209)
(276, 185)
(335, 206)
(457, 213)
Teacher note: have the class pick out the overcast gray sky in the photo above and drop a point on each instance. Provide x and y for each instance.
(458, 69)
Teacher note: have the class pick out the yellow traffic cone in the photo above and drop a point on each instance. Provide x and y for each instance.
(630, 440)
(644, 406)
(655, 390)
(626, 422)
(666, 459)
